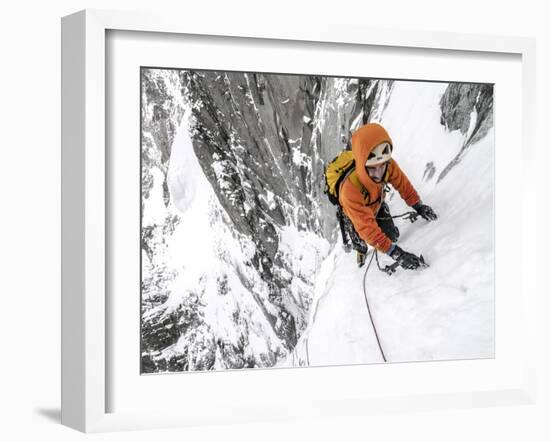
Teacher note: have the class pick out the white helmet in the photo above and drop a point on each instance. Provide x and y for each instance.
(379, 155)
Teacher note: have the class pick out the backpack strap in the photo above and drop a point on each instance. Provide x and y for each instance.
(345, 173)
(357, 183)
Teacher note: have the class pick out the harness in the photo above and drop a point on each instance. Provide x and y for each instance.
(354, 179)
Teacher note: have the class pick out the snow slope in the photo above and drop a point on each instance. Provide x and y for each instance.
(443, 312)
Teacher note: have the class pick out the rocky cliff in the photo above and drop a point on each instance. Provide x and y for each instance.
(468, 108)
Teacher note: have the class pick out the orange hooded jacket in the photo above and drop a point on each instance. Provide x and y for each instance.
(361, 197)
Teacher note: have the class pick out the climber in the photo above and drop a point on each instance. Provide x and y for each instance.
(361, 196)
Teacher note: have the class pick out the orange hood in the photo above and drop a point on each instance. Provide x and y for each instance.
(363, 141)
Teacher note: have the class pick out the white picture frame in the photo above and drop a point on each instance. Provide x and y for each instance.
(85, 215)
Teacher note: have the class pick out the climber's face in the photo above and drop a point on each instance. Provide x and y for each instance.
(376, 173)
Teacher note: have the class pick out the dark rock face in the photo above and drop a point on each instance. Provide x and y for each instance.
(251, 135)
(457, 105)
(255, 145)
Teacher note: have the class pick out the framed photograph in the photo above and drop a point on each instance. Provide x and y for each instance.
(285, 222)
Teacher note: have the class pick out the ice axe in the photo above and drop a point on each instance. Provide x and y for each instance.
(391, 268)
(412, 216)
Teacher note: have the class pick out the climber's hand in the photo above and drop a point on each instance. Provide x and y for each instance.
(425, 211)
(405, 259)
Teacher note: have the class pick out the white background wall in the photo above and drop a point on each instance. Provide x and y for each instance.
(30, 220)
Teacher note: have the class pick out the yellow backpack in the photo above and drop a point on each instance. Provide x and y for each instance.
(336, 172)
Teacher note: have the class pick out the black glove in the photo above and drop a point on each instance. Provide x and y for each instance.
(405, 259)
(425, 211)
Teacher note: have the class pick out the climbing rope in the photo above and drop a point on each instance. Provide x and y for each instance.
(375, 253)
(389, 269)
